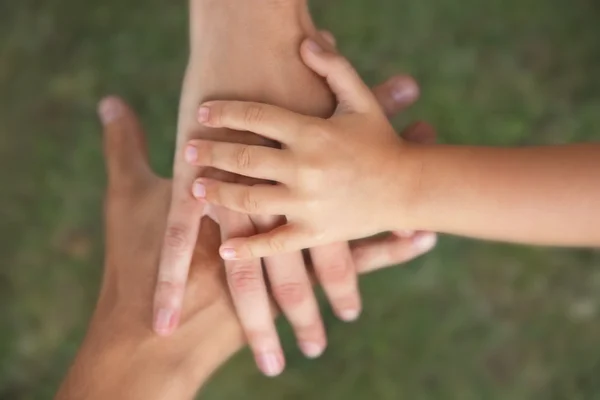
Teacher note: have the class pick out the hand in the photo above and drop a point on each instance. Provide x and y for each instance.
(338, 179)
(248, 50)
(120, 356)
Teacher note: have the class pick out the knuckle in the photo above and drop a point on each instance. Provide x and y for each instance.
(216, 113)
(259, 336)
(312, 332)
(253, 114)
(249, 202)
(336, 272)
(169, 292)
(176, 238)
(290, 293)
(205, 150)
(342, 64)
(243, 158)
(276, 244)
(245, 279)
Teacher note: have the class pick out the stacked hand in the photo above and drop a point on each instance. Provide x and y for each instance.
(346, 177)
(120, 352)
(257, 59)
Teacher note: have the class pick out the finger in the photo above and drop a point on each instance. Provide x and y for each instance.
(421, 133)
(352, 93)
(263, 119)
(376, 253)
(124, 143)
(292, 290)
(252, 161)
(396, 94)
(335, 270)
(251, 300)
(283, 239)
(329, 38)
(183, 223)
(258, 199)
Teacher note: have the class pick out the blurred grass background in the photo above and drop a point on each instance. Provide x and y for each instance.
(470, 321)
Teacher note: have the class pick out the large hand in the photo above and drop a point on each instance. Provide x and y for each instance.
(250, 52)
(121, 357)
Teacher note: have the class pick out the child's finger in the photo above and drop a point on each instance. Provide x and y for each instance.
(396, 94)
(283, 239)
(124, 143)
(351, 92)
(266, 120)
(253, 161)
(257, 199)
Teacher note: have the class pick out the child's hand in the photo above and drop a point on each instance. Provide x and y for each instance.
(343, 178)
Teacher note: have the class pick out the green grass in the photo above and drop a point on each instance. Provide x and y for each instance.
(471, 321)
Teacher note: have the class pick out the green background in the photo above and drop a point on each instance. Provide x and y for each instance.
(471, 321)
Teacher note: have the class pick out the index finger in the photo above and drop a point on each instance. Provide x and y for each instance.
(266, 120)
(183, 224)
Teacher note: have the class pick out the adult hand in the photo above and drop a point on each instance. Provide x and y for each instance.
(120, 357)
(249, 50)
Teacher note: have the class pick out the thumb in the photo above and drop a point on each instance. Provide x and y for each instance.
(353, 95)
(125, 152)
(283, 239)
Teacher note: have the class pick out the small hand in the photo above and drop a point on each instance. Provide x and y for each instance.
(338, 179)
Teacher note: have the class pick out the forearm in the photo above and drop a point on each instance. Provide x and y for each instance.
(537, 195)
(248, 50)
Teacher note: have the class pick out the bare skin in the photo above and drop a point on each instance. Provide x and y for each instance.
(535, 195)
(248, 50)
(121, 357)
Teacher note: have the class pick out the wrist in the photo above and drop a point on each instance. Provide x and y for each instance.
(407, 174)
(121, 358)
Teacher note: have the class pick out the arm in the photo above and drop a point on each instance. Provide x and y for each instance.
(539, 195)
(542, 195)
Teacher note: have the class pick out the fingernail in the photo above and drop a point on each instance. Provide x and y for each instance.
(203, 114)
(425, 241)
(403, 92)
(163, 321)
(349, 315)
(311, 350)
(270, 364)
(228, 253)
(109, 109)
(314, 46)
(199, 190)
(191, 154)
